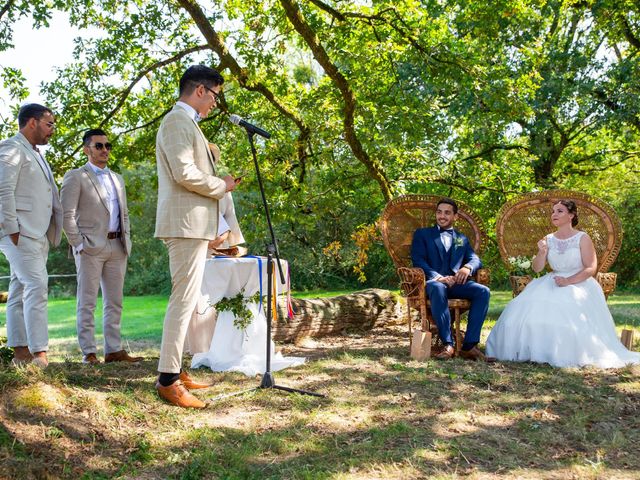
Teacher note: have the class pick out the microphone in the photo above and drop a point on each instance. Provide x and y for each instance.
(237, 120)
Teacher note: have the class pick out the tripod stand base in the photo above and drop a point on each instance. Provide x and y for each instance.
(269, 382)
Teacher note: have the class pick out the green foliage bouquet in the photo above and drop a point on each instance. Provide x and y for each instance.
(239, 306)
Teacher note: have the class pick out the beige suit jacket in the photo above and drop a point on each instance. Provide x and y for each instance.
(188, 189)
(29, 201)
(86, 210)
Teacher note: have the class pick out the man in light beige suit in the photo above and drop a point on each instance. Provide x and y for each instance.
(186, 219)
(30, 219)
(96, 222)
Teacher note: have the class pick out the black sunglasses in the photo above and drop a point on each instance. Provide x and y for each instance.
(100, 146)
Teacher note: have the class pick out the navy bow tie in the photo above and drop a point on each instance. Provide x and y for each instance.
(449, 231)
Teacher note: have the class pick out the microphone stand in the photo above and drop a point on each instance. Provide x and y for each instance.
(272, 249)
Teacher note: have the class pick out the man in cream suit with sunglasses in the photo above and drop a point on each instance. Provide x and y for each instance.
(96, 222)
(30, 220)
(186, 219)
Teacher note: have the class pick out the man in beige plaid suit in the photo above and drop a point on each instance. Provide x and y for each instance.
(186, 219)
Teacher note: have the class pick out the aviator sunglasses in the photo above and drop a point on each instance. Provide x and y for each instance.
(100, 146)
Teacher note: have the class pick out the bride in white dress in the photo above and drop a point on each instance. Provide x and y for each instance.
(561, 318)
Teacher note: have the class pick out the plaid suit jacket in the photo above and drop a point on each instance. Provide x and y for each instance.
(188, 189)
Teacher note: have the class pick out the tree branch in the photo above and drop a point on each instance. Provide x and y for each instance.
(374, 167)
(216, 43)
(603, 98)
(125, 93)
(628, 33)
(380, 16)
(583, 171)
(145, 125)
(466, 187)
(493, 148)
(330, 10)
(6, 7)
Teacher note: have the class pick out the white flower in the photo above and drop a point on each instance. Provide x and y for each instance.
(520, 265)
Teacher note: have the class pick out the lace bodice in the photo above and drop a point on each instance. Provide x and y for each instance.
(564, 255)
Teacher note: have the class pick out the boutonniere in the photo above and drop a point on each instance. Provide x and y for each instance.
(458, 242)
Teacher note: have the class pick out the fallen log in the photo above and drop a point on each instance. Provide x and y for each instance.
(317, 317)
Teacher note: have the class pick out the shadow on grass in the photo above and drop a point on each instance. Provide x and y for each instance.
(385, 416)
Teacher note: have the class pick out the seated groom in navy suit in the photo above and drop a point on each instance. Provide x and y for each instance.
(447, 259)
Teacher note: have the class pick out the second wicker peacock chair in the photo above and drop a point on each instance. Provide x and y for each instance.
(525, 219)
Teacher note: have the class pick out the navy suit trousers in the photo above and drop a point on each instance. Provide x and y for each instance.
(478, 294)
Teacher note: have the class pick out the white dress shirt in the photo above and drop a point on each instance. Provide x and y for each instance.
(447, 240)
(190, 110)
(112, 196)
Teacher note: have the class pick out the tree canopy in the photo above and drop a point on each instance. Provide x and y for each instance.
(366, 100)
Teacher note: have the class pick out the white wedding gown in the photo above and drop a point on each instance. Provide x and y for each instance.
(564, 326)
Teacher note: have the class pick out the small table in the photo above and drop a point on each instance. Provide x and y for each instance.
(233, 349)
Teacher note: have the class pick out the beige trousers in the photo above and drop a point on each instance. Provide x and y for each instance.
(105, 271)
(187, 257)
(27, 320)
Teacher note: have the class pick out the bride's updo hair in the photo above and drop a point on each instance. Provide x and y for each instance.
(571, 208)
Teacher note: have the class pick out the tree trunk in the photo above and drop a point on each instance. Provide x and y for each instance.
(317, 317)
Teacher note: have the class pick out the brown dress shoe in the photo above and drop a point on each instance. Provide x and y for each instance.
(476, 355)
(190, 383)
(22, 355)
(447, 353)
(40, 360)
(178, 395)
(90, 358)
(121, 356)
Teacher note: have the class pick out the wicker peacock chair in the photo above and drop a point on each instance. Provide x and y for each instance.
(400, 218)
(526, 219)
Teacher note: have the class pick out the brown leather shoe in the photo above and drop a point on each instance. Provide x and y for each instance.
(178, 395)
(121, 356)
(476, 355)
(40, 360)
(21, 356)
(90, 358)
(447, 353)
(190, 383)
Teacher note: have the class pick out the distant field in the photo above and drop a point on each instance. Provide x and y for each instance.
(143, 316)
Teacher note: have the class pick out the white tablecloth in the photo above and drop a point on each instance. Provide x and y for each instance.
(232, 349)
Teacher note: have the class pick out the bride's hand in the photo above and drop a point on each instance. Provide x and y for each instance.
(562, 281)
(542, 246)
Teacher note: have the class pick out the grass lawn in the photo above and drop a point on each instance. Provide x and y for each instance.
(385, 416)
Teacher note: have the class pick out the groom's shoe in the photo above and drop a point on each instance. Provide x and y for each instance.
(476, 355)
(447, 353)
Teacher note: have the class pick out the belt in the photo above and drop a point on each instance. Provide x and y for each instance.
(112, 235)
